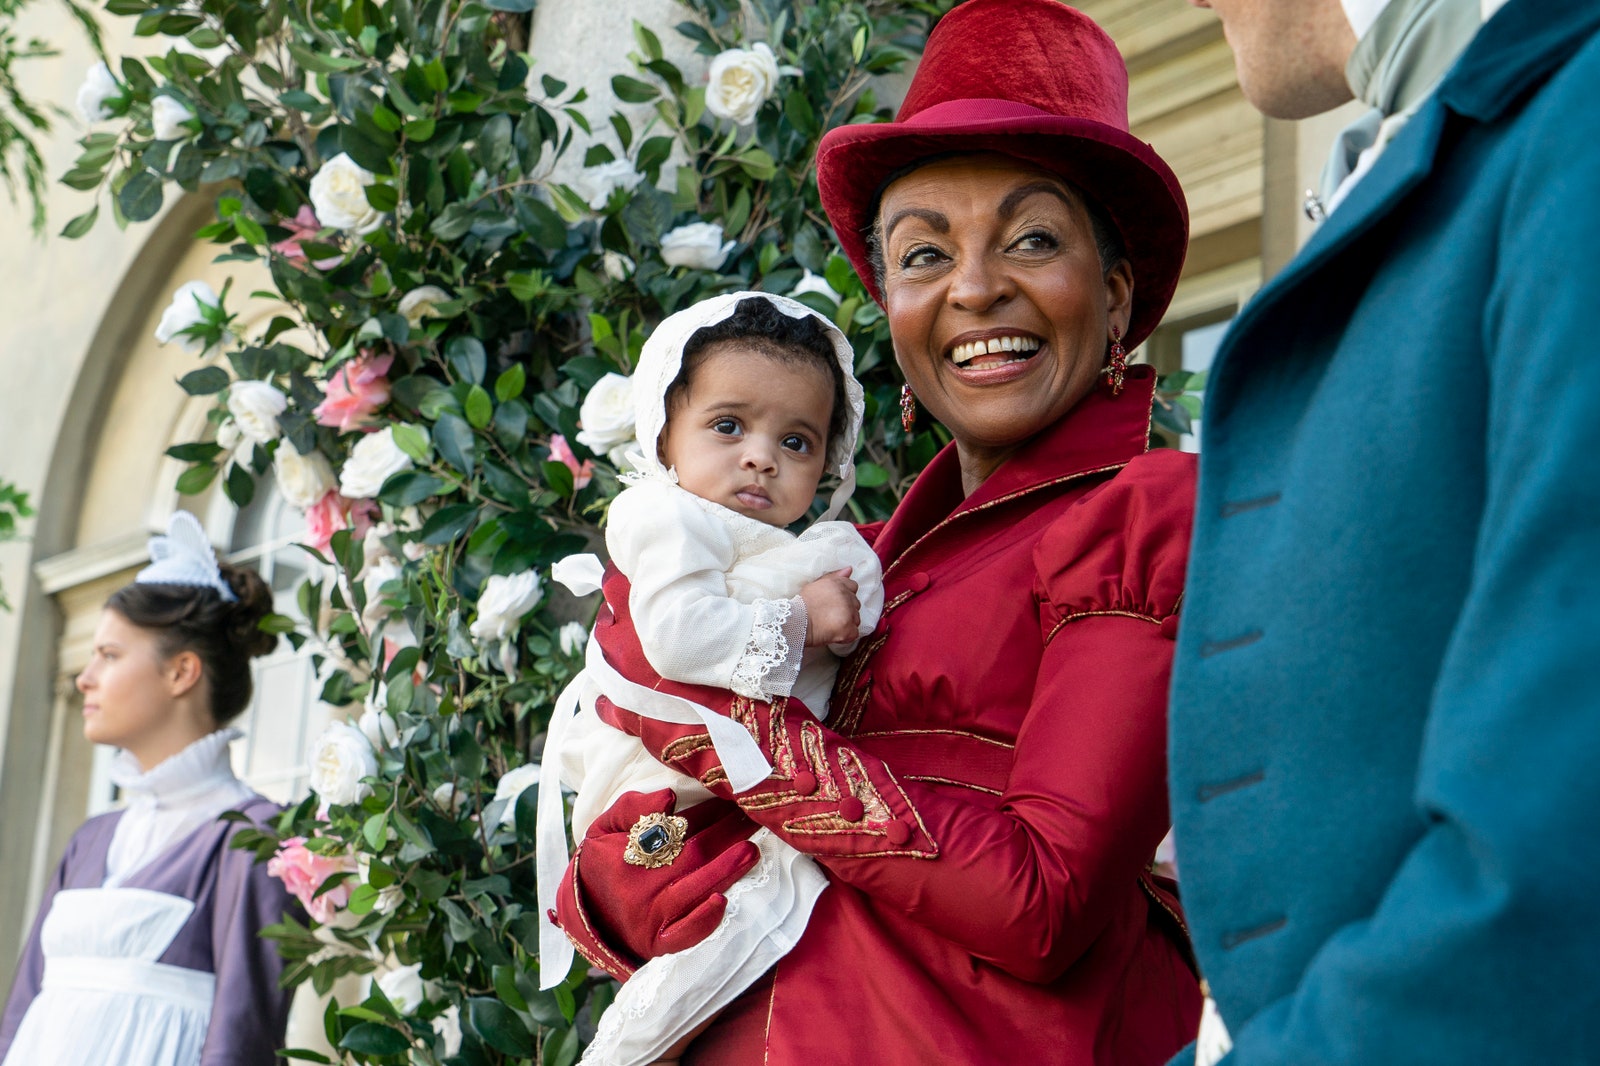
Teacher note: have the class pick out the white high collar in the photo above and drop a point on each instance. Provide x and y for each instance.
(200, 768)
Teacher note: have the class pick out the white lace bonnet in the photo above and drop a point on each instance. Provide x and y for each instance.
(185, 557)
(662, 358)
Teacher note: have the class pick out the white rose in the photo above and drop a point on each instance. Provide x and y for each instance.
(98, 87)
(228, 436)
(697, 245)
(503, 603)
(340, 758)
(572, 637)
(374, 546)
(595, 184)
(303, 479)
(389, 897)
(513, 784)
(184, 311)
(810, 282)
(255, 406)
(379, 726)
(607, 414)
(377, 574)
(167, 117)
(339, 196)
(420, 303)
(740, 81)
(617, 266)
(403, 985)
(447, 1027)
(449, 798)
(374, 459)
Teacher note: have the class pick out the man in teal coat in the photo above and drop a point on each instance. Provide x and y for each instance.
(1385, 742)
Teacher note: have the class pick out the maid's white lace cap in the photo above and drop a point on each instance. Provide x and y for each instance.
(184, 557)
(662, 358)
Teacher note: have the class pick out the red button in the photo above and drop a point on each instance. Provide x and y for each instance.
(805, 782)
(898, 833)
(917, 582)
(851, 810)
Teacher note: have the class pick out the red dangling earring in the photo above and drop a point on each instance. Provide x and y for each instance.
(1117, 365)
(908, 408)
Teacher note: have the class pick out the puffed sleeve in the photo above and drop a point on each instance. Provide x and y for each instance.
(1086, 801)
(250, 1012)
(676, 557)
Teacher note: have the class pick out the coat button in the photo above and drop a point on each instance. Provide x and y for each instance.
(851, 809)
(805, 782)
(898, 833)
(917, 582)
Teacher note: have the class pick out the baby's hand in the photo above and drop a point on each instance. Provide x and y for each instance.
(833, 614)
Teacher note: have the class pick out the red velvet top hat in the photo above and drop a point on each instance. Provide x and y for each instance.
(1038, 81)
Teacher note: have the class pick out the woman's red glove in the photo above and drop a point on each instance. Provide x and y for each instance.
(618, 914)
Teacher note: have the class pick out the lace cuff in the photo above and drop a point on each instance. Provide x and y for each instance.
(771, 660)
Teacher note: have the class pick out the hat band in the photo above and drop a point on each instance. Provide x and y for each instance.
(989, 110)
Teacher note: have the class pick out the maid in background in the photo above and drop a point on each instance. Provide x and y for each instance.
(146, 951)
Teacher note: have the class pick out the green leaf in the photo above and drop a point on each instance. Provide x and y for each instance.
(362, 899)
(410, 487)
(509, 385)
(413, 440)
(467, 358)
(240, 486)
(194, 480)
(456, 442)
(448, 523)
(206, 381)
(276, 623)
(196, 452)
(652, 153)
(383, 197)
(82, 224)
(499, 1027)
(871, 475)
(632, 90)
(505, 986)
(480, 409)
(649, 43)
(374, 1038)
(140, 198)
(375, 831)
(559, 477)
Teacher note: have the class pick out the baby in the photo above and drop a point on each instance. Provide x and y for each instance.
(743, 402)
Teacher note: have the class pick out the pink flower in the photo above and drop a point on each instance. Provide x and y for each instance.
(358, 389)
(332, 513)
(303, 871)
(302, 226)
(561, 452)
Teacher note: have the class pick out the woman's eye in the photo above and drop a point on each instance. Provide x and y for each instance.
(923, 255)
(1037, 241)
(727, 427)
(796, 443)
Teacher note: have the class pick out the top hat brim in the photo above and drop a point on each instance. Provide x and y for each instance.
(1120, 173)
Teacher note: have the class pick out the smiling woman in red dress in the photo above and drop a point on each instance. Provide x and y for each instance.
(990, 788)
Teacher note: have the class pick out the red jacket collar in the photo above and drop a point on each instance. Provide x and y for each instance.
(1100, 434)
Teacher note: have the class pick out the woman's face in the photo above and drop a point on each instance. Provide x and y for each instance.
(131, 692)
(985, 254)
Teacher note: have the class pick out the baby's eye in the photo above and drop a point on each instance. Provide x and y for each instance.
(727, 427)
(794, 442)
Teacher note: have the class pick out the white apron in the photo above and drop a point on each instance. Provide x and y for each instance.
(105, 999)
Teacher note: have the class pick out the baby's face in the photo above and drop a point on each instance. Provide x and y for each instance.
(751, 433)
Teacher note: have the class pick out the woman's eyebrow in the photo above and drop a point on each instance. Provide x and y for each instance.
(933, 218)
(1015, 197)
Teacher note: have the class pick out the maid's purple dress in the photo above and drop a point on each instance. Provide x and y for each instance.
(164, 969)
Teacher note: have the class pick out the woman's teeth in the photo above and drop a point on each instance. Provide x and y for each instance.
(965, 353)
